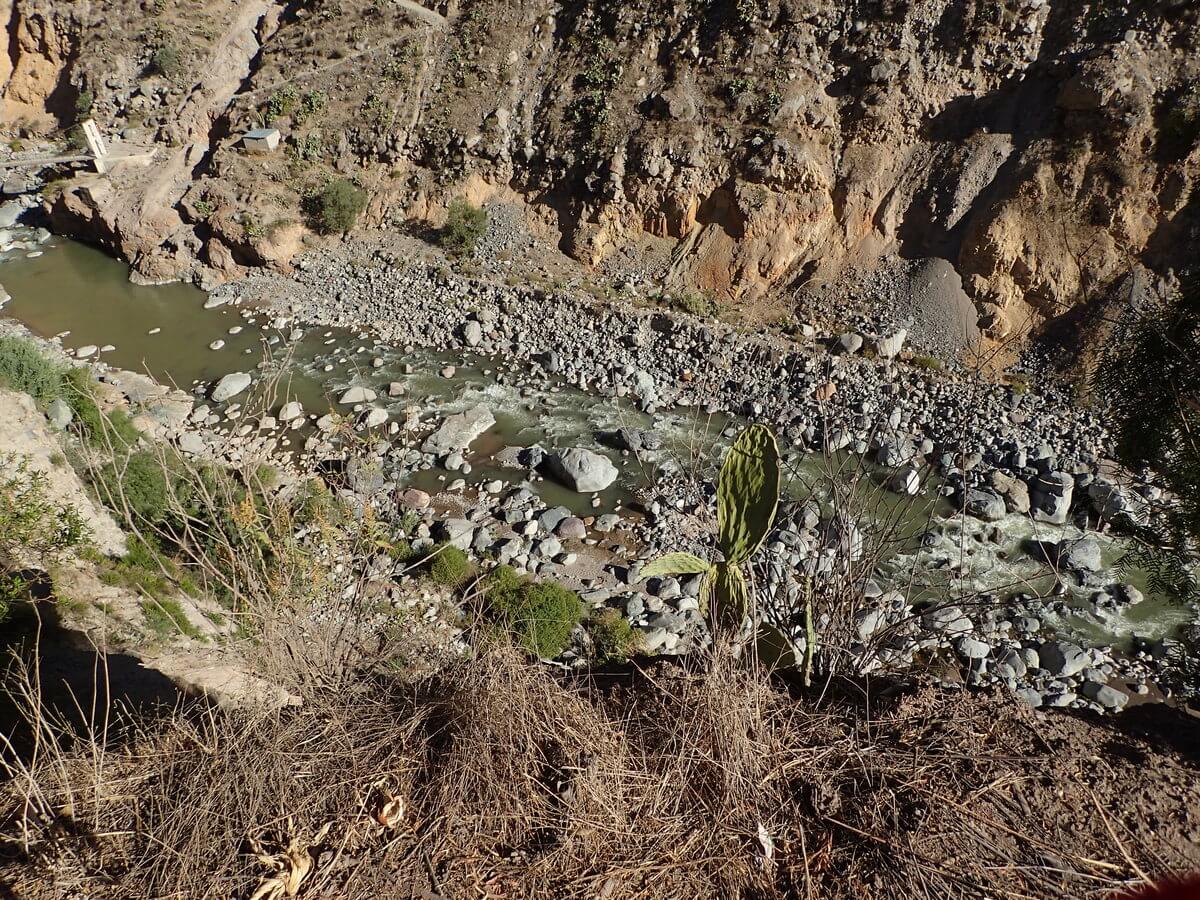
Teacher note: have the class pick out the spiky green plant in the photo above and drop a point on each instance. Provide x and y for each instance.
(747, 496)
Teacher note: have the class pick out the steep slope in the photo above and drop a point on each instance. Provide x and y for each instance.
(1044, 149)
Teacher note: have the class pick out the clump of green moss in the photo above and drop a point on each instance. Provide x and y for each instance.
(613, 638)
(449, 566)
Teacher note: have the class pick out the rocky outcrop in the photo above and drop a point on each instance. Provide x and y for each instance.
(25, 435)
(134, 210)
(1042, 149)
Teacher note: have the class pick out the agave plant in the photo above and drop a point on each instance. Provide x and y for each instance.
(747, 496)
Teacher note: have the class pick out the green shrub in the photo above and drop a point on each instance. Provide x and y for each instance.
(138, 482)
(449, 566)
(465, 225)
(141, 569)
(282, 102)
(83, 104)
(32, 528)
(334, 208)
(702, 305)
(540, 616)
(927, 362)
(613, 637)
(315, 504)
(23, 367)
(165, 617)
(165, 61)
(1181, 123)
(311, 104)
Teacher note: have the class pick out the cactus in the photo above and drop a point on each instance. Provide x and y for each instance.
(747, 493)
(747, 496)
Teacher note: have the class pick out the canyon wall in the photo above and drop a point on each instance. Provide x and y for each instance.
(1044, 148)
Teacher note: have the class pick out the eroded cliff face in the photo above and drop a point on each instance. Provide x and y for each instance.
(1044, 148)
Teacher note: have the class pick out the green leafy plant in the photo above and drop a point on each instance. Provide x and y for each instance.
(165, 61)
(306, 149)
(747, 497)
(34, 530)
(282, 102)
(83, 104)
(165, 617)
(465, 225)
(24, 367)
(613, 638)
(703, 305)
(136, 485)
(312, 103)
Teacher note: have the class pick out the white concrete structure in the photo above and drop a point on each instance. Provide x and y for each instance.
(262, 140)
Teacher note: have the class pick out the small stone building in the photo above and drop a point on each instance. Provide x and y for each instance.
(261, 140)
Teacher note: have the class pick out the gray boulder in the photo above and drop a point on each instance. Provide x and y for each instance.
(472, 333)
(356, 394)
(1079, 555)
(986, 505)
(457, 532)
(583, 470)
(970, 648)
(192, 443)
(59, 414)
(849, 342)
(415, 498)
(458, 431)
(1108, 697)
(230, 386)
(1014, 491)
(291, 410)
(571, 528)
(1050, 499)
(889, 346)
(1063, 659)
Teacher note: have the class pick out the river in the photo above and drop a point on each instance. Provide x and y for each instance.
(70, 290)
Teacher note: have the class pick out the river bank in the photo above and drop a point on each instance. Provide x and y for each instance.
(1027, 573)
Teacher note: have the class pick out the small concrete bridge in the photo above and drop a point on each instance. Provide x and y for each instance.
(99, 154)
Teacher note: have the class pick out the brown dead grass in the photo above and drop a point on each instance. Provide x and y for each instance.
(502, 779)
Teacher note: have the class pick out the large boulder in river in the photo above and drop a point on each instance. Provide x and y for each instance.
(986, 505)
(1050, 499)
(1079, 555)
(583, 470)
(230, 386)
(356, 394)
(458, 431)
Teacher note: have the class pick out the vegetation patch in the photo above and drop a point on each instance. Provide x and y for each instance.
(449, 566)
(165, 618)
(136, 485)
(24, 367)
(540, 615)
(34, 531)
(1180, 128)
(165, 61)
(334, 207)
(465, 225)
(613, 638)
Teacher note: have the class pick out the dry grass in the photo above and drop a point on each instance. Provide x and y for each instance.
(500, 778)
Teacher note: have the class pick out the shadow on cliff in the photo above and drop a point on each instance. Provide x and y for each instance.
(81, 688)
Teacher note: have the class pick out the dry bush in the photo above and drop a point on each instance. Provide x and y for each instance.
(501, 778)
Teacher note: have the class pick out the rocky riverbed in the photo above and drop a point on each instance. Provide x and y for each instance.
(995, 503)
